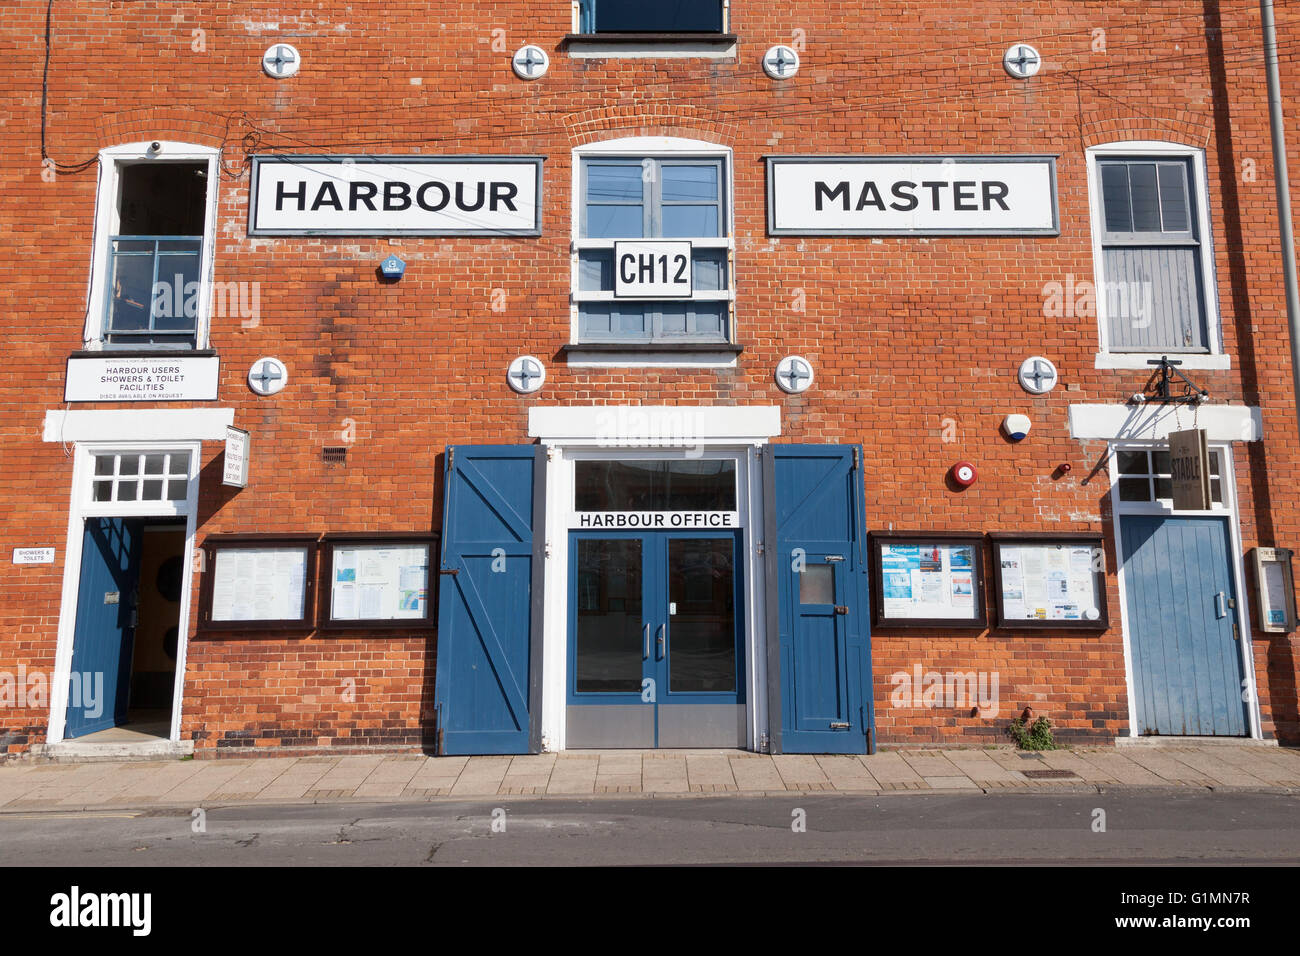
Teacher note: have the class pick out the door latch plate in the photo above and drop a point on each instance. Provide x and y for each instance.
(841, 609)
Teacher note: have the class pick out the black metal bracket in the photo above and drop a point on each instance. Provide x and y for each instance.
(1163, 378)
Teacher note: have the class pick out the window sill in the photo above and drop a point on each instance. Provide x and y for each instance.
(651, 354)
(161, 351)
(1138, 360)
(719, 46)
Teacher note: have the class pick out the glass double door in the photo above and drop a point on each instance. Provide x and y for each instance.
(655, 655)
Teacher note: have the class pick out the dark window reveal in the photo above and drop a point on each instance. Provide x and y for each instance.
(703, 485)
(154, 257)
(637, 16)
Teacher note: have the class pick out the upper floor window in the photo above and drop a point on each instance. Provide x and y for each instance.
(637, 16)
(1154, 293)
(151, 288)
(656, 198)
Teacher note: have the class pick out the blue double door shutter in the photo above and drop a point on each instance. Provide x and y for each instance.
(488, 666)
(1184, 629)
(819, 641)
(104, 634)
(656, 653)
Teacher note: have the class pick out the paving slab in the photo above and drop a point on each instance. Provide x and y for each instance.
(349, 773)
(481, 776)
(1166, 765)
(294, 783)
(623, 762)
(1280, 768)
(390, 778)
(254, 778)
(847, 773)
(396, 768)
(1123, 770)
(618, 783)
(438, 773)
(891, 769)
(1219, 771)
(574, 774)
(755, 773)
(931, 764)
(709, 772)
(665, 774)
(528, 774)
(982, 768)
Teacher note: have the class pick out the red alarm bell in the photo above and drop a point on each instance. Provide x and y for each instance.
(964, 474)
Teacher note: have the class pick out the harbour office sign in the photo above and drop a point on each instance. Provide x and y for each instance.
(396, 196)
(912, 195)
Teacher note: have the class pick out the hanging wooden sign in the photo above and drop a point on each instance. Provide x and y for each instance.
(1189, 469)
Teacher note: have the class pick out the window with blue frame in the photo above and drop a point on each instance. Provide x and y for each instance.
(637, 16)
(630, 198)
(154, 256)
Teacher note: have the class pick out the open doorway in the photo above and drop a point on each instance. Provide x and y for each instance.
(123, 679)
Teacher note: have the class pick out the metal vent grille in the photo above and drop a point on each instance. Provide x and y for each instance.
(1050, 774)
(334, 454)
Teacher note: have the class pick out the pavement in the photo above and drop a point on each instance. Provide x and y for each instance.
(32, 785)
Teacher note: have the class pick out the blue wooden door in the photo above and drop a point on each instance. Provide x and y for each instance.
(104, 634)
(820, 568)
(482, 683)
(1182, 616)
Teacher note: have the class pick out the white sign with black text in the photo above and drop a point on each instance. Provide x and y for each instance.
(162, 379)
(653, 270)
(396, 196)
(656, 520)
(33, 555)
(882, 196)
(234, 471)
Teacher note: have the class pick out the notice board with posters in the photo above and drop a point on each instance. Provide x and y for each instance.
(378, 580)
(258, 582)
(928, 579)
(1049, 580)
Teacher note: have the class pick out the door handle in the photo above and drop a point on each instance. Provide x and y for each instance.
(661, 639)
(1220, 606)
(646, 631)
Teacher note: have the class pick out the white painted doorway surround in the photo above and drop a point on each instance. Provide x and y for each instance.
(1132, 427)
(91, 432)
(693, 432)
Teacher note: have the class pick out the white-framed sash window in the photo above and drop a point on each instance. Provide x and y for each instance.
(1154, 290)
(652, 189)
(155, 224)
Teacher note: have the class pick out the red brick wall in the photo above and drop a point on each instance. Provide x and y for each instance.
(906, 334)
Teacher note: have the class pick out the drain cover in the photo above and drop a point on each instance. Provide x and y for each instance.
(1050, 774)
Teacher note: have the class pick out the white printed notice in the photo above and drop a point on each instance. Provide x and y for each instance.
(1049, 582)
(928, 581)
(380, 583)
(259, 584)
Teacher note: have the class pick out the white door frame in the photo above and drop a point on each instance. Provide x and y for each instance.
(1228, 510)
(82, 506)
(560, 521)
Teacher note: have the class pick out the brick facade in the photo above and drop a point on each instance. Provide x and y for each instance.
(915, 341)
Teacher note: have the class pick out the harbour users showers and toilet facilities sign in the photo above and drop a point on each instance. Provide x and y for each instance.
(911, 195)
(396, 196)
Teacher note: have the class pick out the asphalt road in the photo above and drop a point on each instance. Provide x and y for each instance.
(1013, 828)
